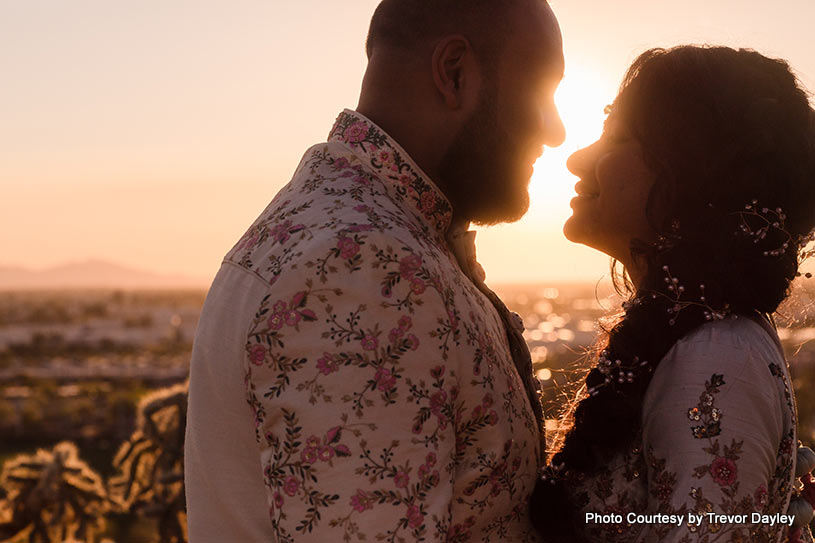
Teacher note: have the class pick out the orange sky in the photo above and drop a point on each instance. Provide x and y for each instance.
(152, 133)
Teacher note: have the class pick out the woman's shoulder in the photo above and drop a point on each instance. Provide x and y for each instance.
(726, 378)
(736, 331)
(734, 343)
(734, 353)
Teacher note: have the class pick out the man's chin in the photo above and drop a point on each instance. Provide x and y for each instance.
(498, 212)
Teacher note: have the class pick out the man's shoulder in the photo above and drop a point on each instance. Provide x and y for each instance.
(335, 214)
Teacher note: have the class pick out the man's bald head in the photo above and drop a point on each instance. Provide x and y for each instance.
(467, 87)
(411, 26)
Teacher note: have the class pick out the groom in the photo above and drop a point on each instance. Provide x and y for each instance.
(352, 377)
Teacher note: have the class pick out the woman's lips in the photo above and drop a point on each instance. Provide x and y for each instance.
(582, 199)
(585, 191)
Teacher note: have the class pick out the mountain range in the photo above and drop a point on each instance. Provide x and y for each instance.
(93, 274)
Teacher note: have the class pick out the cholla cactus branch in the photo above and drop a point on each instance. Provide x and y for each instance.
(54, 496)
(150, 481)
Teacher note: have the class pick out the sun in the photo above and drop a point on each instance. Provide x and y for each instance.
(580, 99)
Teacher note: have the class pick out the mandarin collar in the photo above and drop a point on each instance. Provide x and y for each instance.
(402, 177)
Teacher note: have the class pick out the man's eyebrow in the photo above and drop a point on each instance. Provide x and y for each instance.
(556, 67)
(554, 72)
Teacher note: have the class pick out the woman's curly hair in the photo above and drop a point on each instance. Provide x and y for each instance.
(729, 136)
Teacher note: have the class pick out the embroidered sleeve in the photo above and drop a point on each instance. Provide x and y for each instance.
(351, 379)
(714, 444)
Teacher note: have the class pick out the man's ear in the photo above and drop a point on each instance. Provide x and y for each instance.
(454, 70)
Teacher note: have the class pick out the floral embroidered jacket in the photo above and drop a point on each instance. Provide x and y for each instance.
(718, 436)
(349, 382)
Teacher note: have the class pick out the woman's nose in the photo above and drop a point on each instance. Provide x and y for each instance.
(578, 162)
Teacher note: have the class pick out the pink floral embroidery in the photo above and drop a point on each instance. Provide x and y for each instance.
(326, 453)
(361, 228)
(369, 342)
(309, 455)
(327, 364)
(409, 265)
(257, 354)
(276, 321)
(397, 423)
(412, 342)
(385, 381)
(461, 532)
(415, 516)
(291, 486)
(280, 233)
(356, 133)
(292, 318)
(401, 479)
(723, 471)
(348, 248)
(453, 319)
(250, 239)
(395, 334)
(437, 401)
(325, 449)
(417, 286)
(361, 501)
(428, 202)
(362, 180)
(290, 313)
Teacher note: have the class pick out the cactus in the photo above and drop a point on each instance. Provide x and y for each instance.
(150, 464)
(54, 496)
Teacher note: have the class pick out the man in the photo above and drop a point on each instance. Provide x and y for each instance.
(390, 396)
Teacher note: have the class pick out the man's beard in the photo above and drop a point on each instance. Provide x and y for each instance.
(482, 173)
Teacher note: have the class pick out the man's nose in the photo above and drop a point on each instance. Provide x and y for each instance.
(554, 133)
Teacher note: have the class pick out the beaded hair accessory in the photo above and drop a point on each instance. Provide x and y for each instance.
(551, 473)
(757, 222)
(617, 371)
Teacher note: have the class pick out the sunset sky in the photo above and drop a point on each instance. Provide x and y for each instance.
(152, 133)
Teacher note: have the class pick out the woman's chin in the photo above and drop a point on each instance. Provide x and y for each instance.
(574, 230)
(577, 231)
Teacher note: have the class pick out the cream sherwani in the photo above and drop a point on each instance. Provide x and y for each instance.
(349, 382)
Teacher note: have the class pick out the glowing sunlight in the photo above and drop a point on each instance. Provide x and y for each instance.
(581, 98)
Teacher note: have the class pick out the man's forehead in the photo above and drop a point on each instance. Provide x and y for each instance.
(536, 36)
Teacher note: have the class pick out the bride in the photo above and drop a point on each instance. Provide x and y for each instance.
(703, 187)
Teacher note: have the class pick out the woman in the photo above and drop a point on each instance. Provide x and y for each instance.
(703, 187)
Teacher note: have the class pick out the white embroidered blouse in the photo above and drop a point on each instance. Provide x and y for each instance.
(718, 438)
(348, 381)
